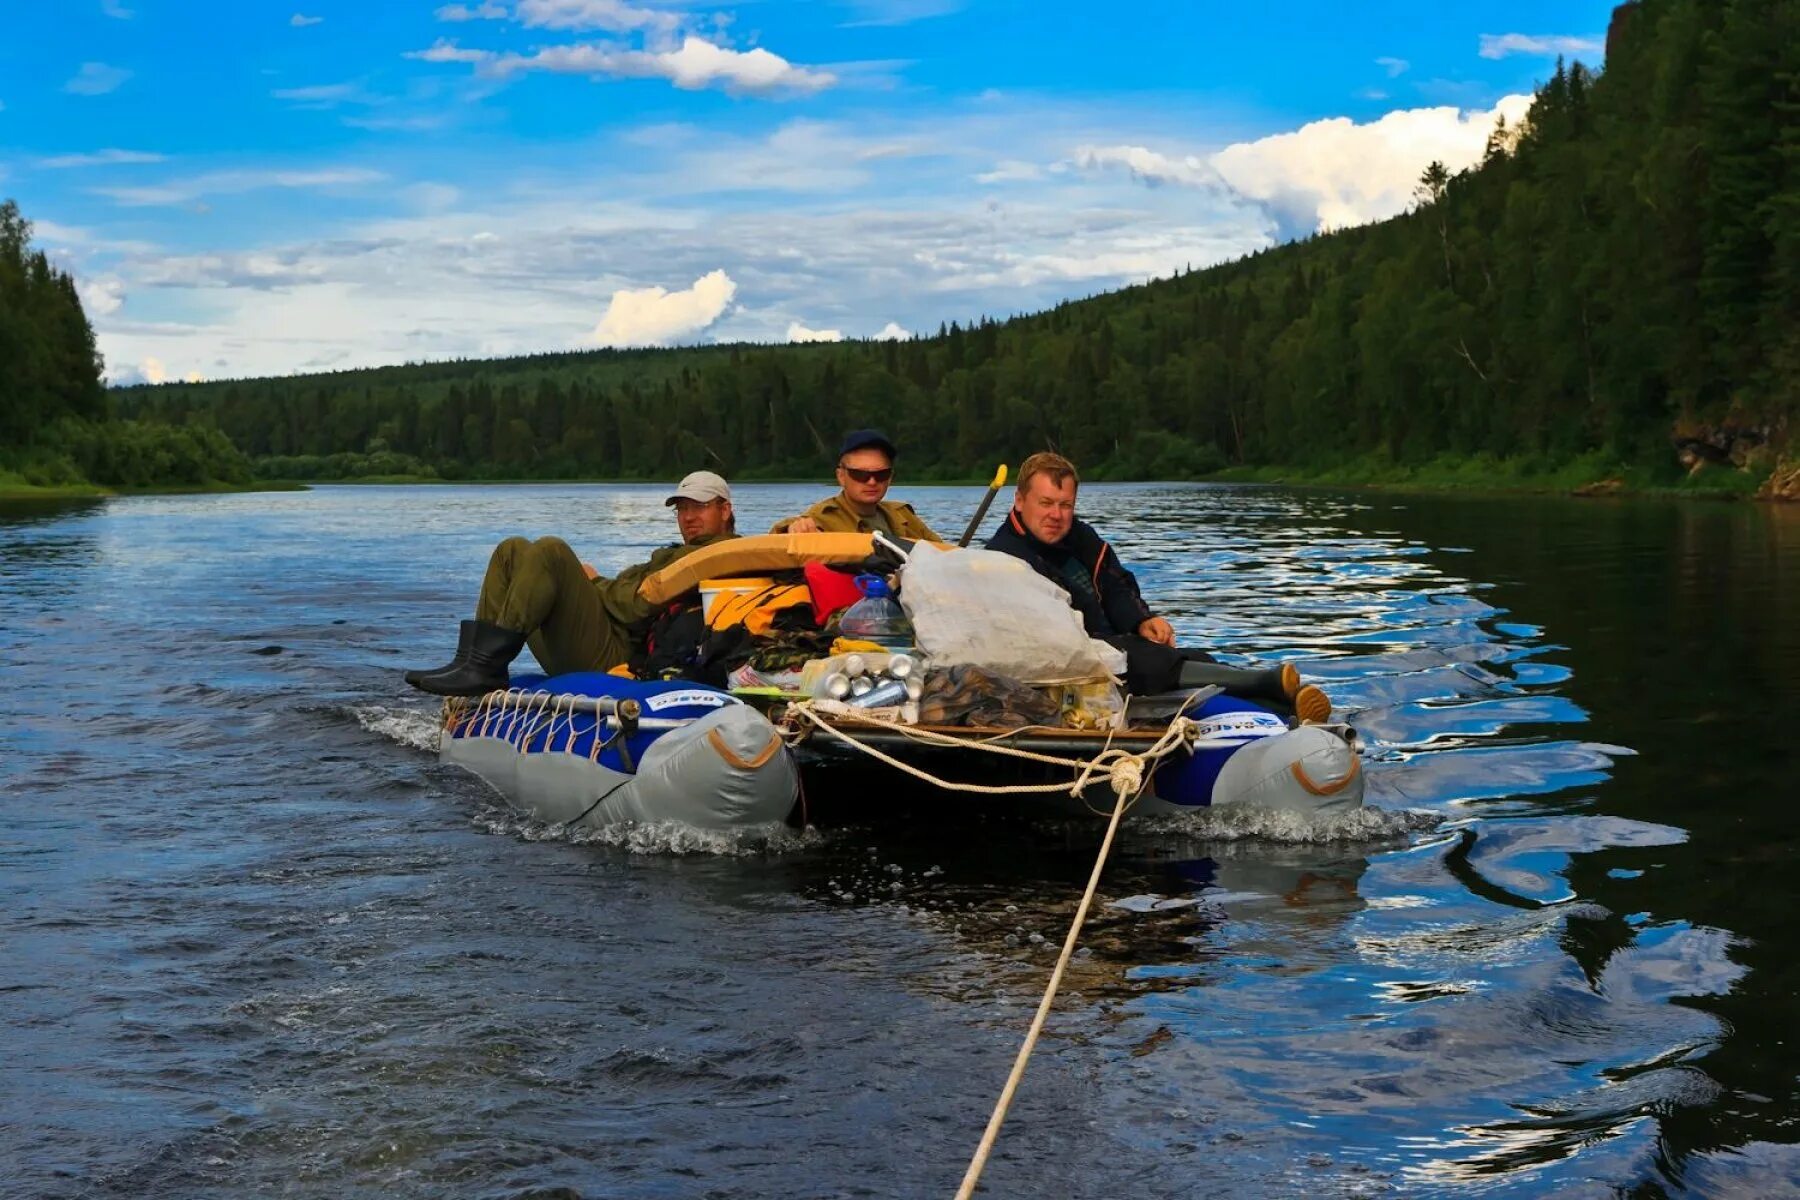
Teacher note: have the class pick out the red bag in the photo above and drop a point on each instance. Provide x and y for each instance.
(832, 591)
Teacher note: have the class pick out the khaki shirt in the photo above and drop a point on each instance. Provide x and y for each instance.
(619, 595)
(835, 515)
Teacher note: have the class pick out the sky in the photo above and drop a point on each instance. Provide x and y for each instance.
(246, 187)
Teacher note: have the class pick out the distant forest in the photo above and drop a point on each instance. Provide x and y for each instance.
(1617, 280)
(57, 427)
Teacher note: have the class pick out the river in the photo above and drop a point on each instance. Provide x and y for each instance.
(258, 941)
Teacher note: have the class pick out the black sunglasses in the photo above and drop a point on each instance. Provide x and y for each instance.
(881, 475)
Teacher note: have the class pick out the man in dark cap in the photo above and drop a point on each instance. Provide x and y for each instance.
(574, 620)
(865, 468)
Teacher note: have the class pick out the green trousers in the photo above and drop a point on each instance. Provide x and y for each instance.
(540, 589)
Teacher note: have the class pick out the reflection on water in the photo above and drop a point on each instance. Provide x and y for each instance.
(260, 941)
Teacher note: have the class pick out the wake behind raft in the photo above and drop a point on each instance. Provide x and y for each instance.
(589, 750)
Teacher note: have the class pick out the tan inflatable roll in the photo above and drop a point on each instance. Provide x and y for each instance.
(753, 555)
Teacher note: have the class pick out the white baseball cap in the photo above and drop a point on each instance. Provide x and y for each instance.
(702, 486)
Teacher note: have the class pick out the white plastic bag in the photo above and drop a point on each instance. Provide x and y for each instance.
(986, 609)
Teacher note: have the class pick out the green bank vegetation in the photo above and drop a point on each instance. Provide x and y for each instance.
(59, 434)
(1612, 293)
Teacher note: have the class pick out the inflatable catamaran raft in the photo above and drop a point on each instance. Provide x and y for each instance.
(590, 749)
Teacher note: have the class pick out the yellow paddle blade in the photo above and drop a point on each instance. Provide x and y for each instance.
(999, 478)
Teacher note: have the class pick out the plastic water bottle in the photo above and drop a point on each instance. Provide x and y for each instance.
(877, 617)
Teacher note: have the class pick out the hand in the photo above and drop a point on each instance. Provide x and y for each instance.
(1157, 630)
(803, 525)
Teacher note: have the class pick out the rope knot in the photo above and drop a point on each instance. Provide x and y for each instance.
(1127, 776)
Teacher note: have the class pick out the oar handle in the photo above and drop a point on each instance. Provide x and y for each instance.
(993, 490)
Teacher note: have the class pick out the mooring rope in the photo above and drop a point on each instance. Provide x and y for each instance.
(1127, 780)
(1181, 734)
(1127, 773)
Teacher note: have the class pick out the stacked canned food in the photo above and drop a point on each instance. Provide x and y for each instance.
(876, 681)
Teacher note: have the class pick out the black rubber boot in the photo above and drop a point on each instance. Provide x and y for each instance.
(465, 638)
(1279, 687)
(1276, 683)
(480, 671)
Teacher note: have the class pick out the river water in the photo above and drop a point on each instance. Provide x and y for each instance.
(258, 941)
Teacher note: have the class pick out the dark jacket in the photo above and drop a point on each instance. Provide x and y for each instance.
(1102, 591)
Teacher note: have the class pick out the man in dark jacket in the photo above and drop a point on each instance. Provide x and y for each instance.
(574, 620)
(1043, 530)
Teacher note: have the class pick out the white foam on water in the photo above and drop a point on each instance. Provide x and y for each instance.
(1154, 903)
(1246, 822)
(658, 837)
(411, 727)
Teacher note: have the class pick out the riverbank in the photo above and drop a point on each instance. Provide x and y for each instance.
(640, 482)
(14, 487)
(1590, 475)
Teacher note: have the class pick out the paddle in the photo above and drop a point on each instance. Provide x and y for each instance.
(993, 489)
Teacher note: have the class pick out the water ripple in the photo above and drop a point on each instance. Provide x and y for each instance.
(261, 942)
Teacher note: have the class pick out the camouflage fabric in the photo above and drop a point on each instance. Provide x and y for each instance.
(984, 699)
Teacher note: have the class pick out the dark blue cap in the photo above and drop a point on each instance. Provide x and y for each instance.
(863, 439)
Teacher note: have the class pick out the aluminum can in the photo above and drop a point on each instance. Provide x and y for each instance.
(889, 691)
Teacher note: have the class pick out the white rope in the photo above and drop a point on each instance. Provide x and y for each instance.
(1114, 763)
(1127, 781)
(1127, 773)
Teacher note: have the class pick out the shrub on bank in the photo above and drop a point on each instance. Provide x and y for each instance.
(127, 454)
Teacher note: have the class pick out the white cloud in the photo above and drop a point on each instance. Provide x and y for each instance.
(1148, 166)
(446, 51)
(497, 277)
(1011, 170)
(183, 191)
(149, 369)
(245, 269)
(116, 10)
(412, 124)
(1328, 174)
(615, 16)
(891, 332)
(433, 197)
(1395, 67)
(697, 64)
(320, 95)
(796, 332)
(99, 158)
(866, 229)
(653, 316)
(898, 12)
(798, 156)
(486, 11)
(301, 20)
(101, 297)
(96, 79)
(1499, 45)
(1335, 173)
(85, 240)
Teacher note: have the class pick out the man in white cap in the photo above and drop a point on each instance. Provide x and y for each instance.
(539, 593)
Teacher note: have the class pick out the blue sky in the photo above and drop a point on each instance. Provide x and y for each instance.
(250, 188)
